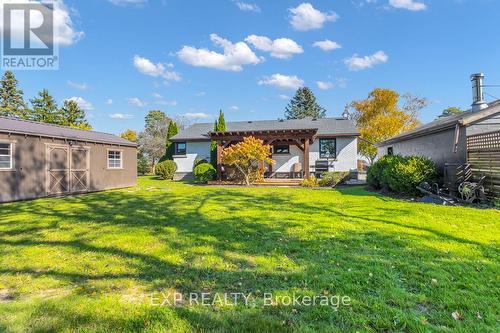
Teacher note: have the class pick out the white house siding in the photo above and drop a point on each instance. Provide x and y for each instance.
(195, 150)
(347, 154)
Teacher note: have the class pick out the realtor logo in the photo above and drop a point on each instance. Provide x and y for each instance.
(28, 36)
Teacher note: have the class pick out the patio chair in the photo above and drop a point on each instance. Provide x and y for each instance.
(297, 170)
(320, 167)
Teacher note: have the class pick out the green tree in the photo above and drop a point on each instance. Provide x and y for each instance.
(452, 110)
(303, 105)
(154, 137)
(11, 98)
(219, 126)
(172, 130)
(44, 109)
(73, 116)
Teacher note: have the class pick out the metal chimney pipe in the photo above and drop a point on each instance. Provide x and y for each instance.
(478, 102)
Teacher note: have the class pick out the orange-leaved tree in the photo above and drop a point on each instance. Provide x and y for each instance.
(247, 157)
(379, 117)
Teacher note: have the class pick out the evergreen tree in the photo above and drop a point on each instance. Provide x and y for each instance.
(451, 111)
(11, 98)
(221, 122)
(45, 109)
(303, 105)
(73, 116)
(172, 130)
(219, 126)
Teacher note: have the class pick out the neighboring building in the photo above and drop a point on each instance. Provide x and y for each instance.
(299, 145)
(38, 160)
(460, 145)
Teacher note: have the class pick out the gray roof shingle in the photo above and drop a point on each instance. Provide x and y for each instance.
(325, 126)
(13, 125)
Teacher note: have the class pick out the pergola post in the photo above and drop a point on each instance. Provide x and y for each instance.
(219, 160)
(306, 158)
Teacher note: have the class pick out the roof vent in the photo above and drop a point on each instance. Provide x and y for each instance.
(314, 119)
(250, 122)
(281, 120)
(478, 102)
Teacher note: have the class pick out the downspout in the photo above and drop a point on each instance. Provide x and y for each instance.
(457, 136)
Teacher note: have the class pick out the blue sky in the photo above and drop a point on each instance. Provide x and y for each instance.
(121, 58)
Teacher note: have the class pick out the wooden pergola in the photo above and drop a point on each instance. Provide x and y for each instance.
(302, 138)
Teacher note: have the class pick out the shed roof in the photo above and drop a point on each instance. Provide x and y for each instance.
(33, 128)
(324, 126)
(444, 123)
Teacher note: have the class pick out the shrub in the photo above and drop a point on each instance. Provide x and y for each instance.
(309, 182)
(142, 166)
(166, 169)
(199, 161)
(402, 174)
(204, 172)
(332, 179)
(374, 173)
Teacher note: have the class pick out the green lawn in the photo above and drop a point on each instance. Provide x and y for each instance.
(87, 263)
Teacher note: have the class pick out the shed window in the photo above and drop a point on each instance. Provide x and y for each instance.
(327, 148)
(390, 151)
(5, 156)
(281, 149)
(115, 159)
(180, 148)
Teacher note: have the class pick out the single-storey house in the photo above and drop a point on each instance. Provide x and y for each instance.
(299, 146)
(38, 159)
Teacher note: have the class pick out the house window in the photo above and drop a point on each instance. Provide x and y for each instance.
(5, 156)
(115, 159)
(180, 148)
(327, 148)
(390, 151)
(280, 150)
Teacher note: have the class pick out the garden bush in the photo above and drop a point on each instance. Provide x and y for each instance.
(166, 169)
(199, 161)
(402, 174)
(309, 182)
(204, 172)
(332, 179)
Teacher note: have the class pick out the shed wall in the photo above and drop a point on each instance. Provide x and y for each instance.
(27, 179)
(437, 146)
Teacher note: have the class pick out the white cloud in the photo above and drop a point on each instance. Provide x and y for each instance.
(235, 56)
(306, 17)
(282, 81)
(137, 102)
(323, 85)
(121, 116)
(109, 101)
(201, 93)
(234, 108)
(247, 7)
(127, 2)
(327, 45)
(196, 115)
(284, 97)
(65, 32)
(408, 4)
(357, 63)
(82, 103)
(80, 86)
(281, 48)
(147, 67)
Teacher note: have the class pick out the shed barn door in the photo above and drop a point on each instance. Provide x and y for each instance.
(79, 170)
(68, 169)
(57, 169)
